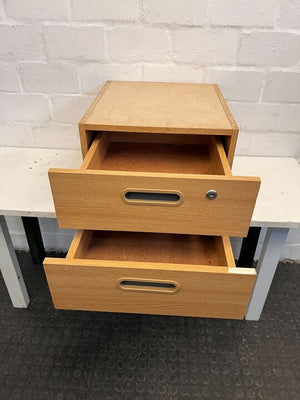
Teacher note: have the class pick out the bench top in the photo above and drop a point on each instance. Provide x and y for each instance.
(25, 189)
(278, 202)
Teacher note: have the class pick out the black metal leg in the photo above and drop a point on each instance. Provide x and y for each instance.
(34, 238)
(249, 247)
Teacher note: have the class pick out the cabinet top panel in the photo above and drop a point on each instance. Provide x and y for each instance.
(160, 107)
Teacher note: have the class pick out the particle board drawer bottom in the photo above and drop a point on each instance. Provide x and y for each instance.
(147, 273)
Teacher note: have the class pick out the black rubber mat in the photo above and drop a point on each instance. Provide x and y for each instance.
(50, 354)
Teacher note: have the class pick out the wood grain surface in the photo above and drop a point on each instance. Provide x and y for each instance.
(160, 107)
(214, 289)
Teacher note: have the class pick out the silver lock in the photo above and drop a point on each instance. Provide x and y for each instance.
(211, 194)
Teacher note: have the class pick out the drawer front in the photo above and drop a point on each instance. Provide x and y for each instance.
(217, 292)
(91, 199)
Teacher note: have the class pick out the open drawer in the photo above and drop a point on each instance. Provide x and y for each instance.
(150, 273)
(155, 183)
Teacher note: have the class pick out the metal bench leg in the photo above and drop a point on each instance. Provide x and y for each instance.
(34, 238)
(266, 267)
(10, 268)
(248, 248)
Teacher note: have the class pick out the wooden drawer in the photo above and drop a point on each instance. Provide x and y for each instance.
(154, 183)
(150, 273)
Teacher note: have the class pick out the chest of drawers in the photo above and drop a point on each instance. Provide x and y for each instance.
(154, 202)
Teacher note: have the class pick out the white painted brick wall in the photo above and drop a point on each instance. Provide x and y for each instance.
(256, 116)
(74, 42)
(55, 55)
(56, 136)
(274, 145)
(289, 120)
(236, 85)
(20, 42)
(290, 14)
(9, 81)
(269, 49)
(67, 108)
(24, 107)
(15, 135)
(242, 12)
(282, 87)
(37, 9)
(49, 77)
(205, 46)
(172, 73)
(2, 13)
(95, 10)
(135, 43)
(93, 76)
(181, 12)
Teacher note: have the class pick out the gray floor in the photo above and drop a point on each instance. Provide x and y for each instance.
(51, 354)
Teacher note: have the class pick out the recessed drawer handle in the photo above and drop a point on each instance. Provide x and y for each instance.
(152, 197)
(148, 285)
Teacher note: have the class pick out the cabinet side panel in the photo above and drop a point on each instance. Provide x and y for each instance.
(86, 135)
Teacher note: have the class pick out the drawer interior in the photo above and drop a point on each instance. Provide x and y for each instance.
(152, 248)
(178, 154)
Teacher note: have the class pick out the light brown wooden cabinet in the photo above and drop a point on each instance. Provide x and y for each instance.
(154, 202)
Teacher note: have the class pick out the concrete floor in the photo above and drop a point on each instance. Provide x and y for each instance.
(69, 355)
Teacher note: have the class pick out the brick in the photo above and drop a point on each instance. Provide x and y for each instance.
(56, 137)
(93, 76)
(37, 9)
(49, 78)
(290, 14)
(59, 242)
(236, 85)
(242, 12)
(282, 87)
(269, 48)
(2, 13)
(95, 10)
(274, 145)
(20, 107)
(49, 225)
(172, 73)
(289, 120)
(291, 252)
(256, 117)
(21, 42)
(182, 12)
(15, 135)
(293, 236)
(9, 77)
(242, 144)
(69, 109)
(138, 44)
(55, 238)
(203, 46)
(68, 42)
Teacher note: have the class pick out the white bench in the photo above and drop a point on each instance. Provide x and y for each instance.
(26, 193)
(277, 209)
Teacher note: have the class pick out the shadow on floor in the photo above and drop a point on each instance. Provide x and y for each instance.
(69, 355)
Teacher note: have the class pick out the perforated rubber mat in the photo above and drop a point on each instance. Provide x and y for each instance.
(69, 355)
